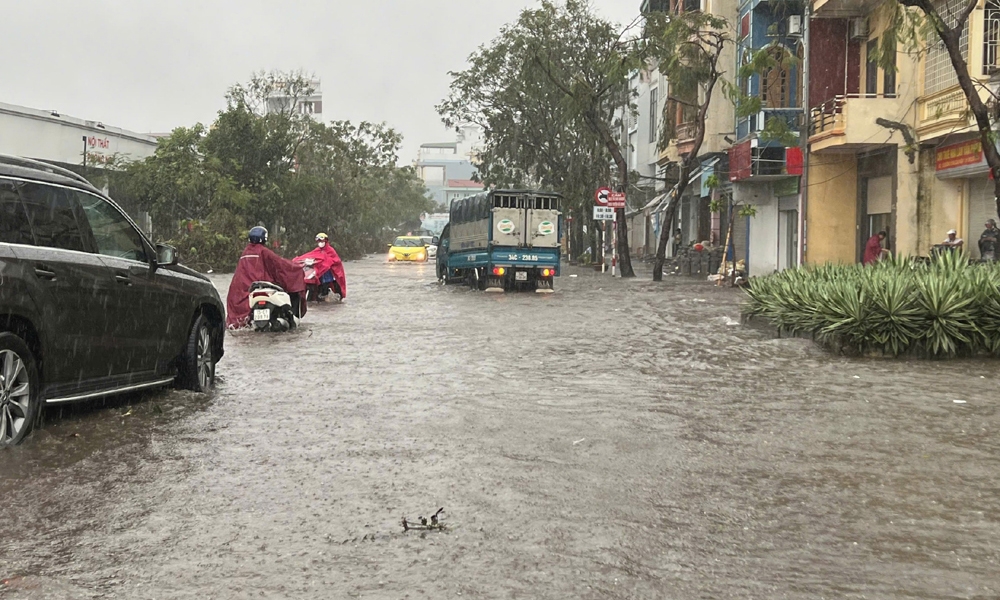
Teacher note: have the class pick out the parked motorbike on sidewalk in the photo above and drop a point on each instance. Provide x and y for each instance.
(272, 308)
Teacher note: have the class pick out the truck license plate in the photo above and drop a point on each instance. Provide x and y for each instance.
(262, 314)
(521, 276)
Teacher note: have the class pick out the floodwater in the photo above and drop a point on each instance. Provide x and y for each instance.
(616, 439)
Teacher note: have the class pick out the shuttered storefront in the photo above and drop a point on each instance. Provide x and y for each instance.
(981, 207)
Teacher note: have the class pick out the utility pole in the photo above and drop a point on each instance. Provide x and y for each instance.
(804, 141)
(84, 156)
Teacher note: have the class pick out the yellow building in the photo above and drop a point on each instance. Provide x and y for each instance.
(897, 152)
(864, 172)
(956, 190)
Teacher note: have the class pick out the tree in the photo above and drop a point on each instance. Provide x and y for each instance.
(948, 25)
(687, 47)
(545, 92)
(266, 163)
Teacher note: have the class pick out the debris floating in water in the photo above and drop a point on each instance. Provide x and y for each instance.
(959, 401)
(434, 523)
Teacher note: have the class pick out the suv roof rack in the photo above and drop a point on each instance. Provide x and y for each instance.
(17, 161)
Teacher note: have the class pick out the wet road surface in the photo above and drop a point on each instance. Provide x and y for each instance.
(612, 440)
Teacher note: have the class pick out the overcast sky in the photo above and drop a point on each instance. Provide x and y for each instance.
(150, 66)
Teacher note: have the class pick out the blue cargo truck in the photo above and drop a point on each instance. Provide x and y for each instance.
(502, 240)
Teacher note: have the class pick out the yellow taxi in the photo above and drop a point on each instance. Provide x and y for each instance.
(408, 248)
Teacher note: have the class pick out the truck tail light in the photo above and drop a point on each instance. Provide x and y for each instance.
(498, 271)
(548, 272)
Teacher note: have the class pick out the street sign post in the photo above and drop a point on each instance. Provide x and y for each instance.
(604, 213)
(606, 204)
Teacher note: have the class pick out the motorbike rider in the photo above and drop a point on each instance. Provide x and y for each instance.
(329, 267)
(260, 263)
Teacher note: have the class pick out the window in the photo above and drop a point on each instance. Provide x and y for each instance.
(113, 234)
(991, 36)
(14, 226)
(939, 74)
(654, 100)
(747, 57)
(633, 156)
(776, 81)
(889, 77)
(54, 214)
(871, 68)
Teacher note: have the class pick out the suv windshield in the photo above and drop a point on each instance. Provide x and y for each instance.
(408, 243)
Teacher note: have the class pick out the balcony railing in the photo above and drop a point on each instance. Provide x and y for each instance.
(828, 116)
(848, 119)
(686, 131)
(685, 137)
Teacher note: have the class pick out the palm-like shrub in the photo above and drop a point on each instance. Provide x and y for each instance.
(945, 307)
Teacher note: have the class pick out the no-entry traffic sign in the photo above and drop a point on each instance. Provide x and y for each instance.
(605, 197)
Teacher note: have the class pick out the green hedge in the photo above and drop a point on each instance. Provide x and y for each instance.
(942, 308)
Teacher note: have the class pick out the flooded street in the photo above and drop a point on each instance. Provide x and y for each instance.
(616, 439)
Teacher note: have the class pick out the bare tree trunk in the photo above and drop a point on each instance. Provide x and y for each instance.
(687, 166)
(661, 247)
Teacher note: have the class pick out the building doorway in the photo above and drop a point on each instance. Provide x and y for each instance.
(876, 198)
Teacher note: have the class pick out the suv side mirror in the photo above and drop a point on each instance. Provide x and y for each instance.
(165, 255)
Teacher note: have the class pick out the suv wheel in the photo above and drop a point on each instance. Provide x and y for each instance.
(197, 369)
(19, 399)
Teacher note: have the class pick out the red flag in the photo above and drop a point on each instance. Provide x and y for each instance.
(793, 160)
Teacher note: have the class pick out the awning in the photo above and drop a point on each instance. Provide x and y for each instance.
(695, 175)
(654, 201)
(665, 200)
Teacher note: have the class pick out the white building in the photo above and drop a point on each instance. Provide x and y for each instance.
(640, 138)
(307, 102)
(447, 168)
(50, 136)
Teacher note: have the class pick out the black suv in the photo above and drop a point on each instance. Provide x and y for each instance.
(89, 306)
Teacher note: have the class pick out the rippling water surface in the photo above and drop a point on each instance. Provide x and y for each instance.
(616, 439)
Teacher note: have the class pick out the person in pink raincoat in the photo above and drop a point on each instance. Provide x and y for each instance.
(329, 268)
(260, 263)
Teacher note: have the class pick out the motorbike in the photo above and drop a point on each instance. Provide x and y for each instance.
(271, 307)
(318, 285)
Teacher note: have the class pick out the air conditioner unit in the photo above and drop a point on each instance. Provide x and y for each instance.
(859, 28)
(795, 25)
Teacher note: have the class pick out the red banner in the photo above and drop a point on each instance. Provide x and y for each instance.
(959, 155)
(740, 161)
(793, 160)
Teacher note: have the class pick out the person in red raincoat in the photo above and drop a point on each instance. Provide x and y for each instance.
(873, 249)
(328, 264)
(259, 263)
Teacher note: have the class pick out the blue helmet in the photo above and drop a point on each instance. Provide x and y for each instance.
(258, 235)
